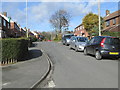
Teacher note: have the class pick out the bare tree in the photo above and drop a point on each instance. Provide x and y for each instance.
(60, 20)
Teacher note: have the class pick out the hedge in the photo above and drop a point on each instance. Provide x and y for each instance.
(115, 34)
(14, 49)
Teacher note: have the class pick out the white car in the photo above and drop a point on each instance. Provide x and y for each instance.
(78, 43)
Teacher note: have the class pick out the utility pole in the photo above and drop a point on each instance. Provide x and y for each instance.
(99, 18)
(26, 20)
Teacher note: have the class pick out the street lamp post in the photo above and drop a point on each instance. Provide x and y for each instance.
(26, 19)
(99, 18)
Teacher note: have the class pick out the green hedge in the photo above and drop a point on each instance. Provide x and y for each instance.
(33, 39)
(14, 48)
(115, 34)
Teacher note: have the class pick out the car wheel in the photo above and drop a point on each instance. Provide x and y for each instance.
(85, 52)
(98, 55)
(70, 47)
(66, 44)
(76, 49)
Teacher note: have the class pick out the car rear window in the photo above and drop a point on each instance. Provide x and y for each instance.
(68, 36)
(112, 41)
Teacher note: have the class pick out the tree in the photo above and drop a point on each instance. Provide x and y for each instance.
(91, 23)
(60, 20)
(46, 35)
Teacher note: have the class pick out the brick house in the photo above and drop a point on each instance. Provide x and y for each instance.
(80, 31)
(22, 32)
(5, 26)
(112, 21)
(36, 34)
(15, 28)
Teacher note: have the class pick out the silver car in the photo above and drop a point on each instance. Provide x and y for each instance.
(66, 39)
(78, 43)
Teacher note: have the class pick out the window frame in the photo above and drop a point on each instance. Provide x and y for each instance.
(107, 23)
(114, 21)
(0, 21)
(4, 22)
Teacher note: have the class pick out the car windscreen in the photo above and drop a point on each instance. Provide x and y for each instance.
(68, 36)
(82, 39)
(112, 41)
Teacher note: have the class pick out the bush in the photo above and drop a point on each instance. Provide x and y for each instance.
(14, 48)
(33, 39)
(114, 34)
(58, 37)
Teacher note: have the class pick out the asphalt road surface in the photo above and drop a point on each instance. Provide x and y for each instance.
(75, 70)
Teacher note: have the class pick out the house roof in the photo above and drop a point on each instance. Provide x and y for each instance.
(112, 15)
(79, 26)
(34, 32)
(6, 18)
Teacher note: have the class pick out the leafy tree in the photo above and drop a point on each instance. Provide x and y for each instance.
(91, 23)
(60, 20)
(47, 35)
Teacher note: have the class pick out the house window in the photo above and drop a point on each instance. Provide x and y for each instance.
(0, 22)
(80, 27)
(8, 26)
(107, 23)
(4, 22)
(114, 21)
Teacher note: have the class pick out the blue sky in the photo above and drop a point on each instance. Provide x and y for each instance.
(40, 12)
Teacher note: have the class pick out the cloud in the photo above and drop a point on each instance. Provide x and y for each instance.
(43, 11)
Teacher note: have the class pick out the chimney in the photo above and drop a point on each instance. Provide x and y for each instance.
(5, 14)
(107, 12)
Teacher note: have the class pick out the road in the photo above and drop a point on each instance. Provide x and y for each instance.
(74, 70)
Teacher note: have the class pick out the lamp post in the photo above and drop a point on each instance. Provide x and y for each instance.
(26, 19)
(99, 18)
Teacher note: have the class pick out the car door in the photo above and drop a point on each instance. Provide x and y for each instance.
(71, 41)
(74, 42)
(90, 46)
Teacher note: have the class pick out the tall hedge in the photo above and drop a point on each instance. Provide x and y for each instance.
(114, 34)
(14, 48)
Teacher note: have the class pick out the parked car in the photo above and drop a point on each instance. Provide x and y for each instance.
(78, 43)
(66, 39)
(103, 46)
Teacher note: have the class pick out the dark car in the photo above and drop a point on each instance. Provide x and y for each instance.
(103, 46)
(66, 39)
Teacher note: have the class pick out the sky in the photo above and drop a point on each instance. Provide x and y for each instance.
(39, 12)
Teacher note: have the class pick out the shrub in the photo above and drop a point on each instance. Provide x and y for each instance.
(14, 48)
(33, 39)
(58, 37)
(114, 34)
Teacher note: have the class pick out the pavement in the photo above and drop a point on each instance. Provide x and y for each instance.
(28, 73)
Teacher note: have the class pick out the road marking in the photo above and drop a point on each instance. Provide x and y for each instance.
(4, 84)
(51, 84)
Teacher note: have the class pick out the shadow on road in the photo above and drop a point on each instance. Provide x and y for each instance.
(32, 54)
